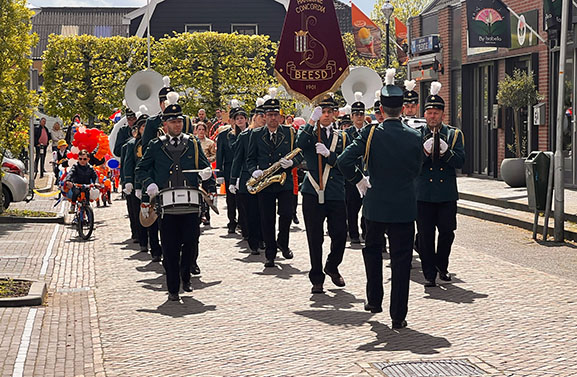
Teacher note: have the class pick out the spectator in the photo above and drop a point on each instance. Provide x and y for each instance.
(41, 139)
(72, 129)
(57, 135)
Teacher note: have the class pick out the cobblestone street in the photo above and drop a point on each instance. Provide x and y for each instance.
(107, 312)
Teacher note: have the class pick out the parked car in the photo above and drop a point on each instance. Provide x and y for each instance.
(14, 184)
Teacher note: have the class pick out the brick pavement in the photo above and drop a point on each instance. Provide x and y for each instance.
(107, 312)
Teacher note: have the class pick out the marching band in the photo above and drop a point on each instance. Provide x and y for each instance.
(399, 169)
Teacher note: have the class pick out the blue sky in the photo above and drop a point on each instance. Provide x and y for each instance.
(365, 5)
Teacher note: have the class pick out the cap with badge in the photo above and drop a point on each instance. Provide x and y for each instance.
(329, 102)
(259, 109)
(346, 118)
(377, 105)
(391, 95)
(410, 96)
(358, 107)
(143, 116)
(173, 109)
(434, 100)
(129, 113)
(165, 90)
(272, 105)
(236, 109)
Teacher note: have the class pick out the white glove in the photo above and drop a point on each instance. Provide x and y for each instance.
(316, 115)
(363, 186)
(428, 146)
(285, 164)
(128, 188)
(152, 190)
(220, 180)
(322, 150)
(443, 146)
(257, 173)
(232, 189)
(144, 208)
(206, 173)
(138, 194)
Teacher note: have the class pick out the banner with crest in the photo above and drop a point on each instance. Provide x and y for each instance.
(489, 23)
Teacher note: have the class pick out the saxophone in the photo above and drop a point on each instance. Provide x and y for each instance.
(268, 177)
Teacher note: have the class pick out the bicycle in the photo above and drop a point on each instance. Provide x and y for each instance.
(84, 215)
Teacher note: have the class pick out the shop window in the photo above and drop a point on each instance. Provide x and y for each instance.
(197, 28)
(102, 31)
(246, 29)
(456, 38)
(69, 30)
(430, 24)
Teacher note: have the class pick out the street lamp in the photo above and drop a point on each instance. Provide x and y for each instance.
(387, 10)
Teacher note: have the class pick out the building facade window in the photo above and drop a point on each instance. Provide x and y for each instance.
(246, 29)
(69, 30)
(102, 31)
(430, 24)
(197, 28)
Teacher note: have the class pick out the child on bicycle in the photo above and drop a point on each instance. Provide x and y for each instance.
(80, 173)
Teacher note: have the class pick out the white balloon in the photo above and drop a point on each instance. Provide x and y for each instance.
(81, 129)
(72, 161)
(94, 193)
(75, 150)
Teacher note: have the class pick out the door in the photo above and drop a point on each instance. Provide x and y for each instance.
(483, 98)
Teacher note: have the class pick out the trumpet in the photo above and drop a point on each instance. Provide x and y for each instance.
(268, 177)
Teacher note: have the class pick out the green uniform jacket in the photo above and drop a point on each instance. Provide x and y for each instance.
(156, 165)
(123, 162)
(438, 180)
(394, 157)
(225, 148)
(239, 167)
(131, 159)
(154, 123)
(306, 140)
(262, 153)
(122, 137)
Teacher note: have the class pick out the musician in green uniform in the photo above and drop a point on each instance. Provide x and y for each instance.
(124, 133)
(133, 189)
(393, 153)
(169, 162)
(321, 139)
(269, 145)
(437, 195)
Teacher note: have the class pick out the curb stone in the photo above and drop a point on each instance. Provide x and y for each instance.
(35, 296)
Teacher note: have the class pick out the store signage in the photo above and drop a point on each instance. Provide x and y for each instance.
(521, 36)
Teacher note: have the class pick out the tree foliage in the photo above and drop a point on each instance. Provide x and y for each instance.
(86, 75)
(16, 100)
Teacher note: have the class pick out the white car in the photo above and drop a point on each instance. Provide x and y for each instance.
(14, 184)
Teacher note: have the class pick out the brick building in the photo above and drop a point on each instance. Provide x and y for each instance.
(439, 51)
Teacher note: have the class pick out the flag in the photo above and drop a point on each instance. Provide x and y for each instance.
(116, 116)
(311, 59)
(401, 36)
(488, 23)
(367, 35)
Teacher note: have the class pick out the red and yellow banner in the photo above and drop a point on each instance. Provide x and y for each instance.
(401, 37)
(367, 35)
(311, 59)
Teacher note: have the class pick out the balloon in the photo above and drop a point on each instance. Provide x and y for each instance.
(72, 161)
(72, 155)
(81, 129)
(74, 150)
(94, 194)
(113, 163)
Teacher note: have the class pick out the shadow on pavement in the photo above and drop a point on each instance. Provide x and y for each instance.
(453, 293)
(403, 340)
(151, 267)
(341, 300)
(187, 306)
(337, 317)
(251, 258)
(556, 244)
(281, 271)
(155, 284)
(7, 228)
(199, 284)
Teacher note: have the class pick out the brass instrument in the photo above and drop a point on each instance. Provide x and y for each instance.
(436, 145)
(268, 176)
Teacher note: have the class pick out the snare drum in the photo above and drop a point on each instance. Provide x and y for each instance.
(179, 201)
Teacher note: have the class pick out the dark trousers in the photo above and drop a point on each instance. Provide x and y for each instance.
(133, 206)
(230, 207)
(268, 204)
(354, 204)
(432, 217)
(295, 205)
(314, 215)
(40, 158)
(401, 249)
(179, 235)
(248, 209)
(149, 236)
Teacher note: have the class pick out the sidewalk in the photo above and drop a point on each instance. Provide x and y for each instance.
(494, 200)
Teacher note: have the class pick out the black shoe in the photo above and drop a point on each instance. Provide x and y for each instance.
(286, 253)
(195, 270)
(269, 263)
(399, 324)
(444, 276)
(430, 283)
(336, 278)
(231, 231)
(187, 287)
(296, 219)
(355, 241)
(156, 258)
(261, 245)
(173, 297)
(254, 252)
(317, 288)
(373, 309)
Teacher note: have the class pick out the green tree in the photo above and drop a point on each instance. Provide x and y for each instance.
(86, 75)
(16, 100)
